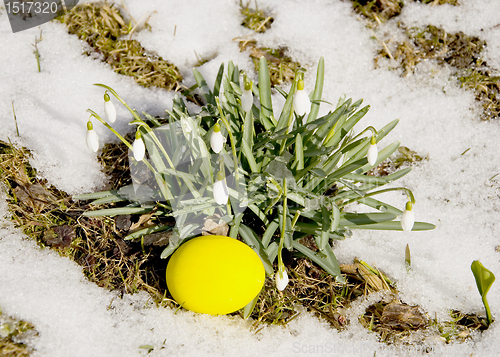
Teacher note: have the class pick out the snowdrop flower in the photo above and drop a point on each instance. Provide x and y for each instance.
(408, 218)
(301, 102)
(281, 278)
(220, 191)
(216, 140)
(247, 97)
(92, 138)
(109, 108)
(372, 152)
(138, 147)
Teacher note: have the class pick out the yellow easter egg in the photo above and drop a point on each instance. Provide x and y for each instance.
(214, 275)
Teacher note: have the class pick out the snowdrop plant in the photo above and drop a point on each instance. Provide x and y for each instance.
(484, 280)
(297, 173)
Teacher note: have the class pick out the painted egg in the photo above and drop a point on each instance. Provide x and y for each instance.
(214, 275)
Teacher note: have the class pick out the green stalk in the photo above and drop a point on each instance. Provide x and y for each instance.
(281, 266)
(134, 113)
(408, 193)
(231, 137)
(95, 115)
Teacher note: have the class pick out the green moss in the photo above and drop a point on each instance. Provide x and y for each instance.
(103, 28)
(255, 19)
(461, 52)
(282, 68)
(378, 11)
(14, 335)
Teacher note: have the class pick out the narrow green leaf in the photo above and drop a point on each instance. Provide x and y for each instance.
(272, 251)
(248, 129)
(299, 153)
(382, 206)
(326, 261)
(266, 105)
(118, 211)
(319, 173)
(249, 155)
(394, 226)
(247, 310)
(354, 220)
(318, 91)
(206, 93)
(346, 127)
(149, 230)
(269, 233)
(95, 195)
(287, 111)
(253, 242)
(169, 250)
(218, 80)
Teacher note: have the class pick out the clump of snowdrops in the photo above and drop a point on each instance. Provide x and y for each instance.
(273, 180)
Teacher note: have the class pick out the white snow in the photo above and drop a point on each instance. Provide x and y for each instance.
(458, 193)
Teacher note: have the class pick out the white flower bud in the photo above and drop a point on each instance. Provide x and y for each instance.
(301, 102)
(247, 97)
(408, 218)
(372, 152)
(138, 147)
(220, 191)
(216, 140)
(281, 278)
(109, 109)
(92, 138)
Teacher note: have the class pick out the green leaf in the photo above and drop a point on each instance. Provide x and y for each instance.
(325, 228)
(484, 280)
(149, 230)
(319, 173)
(484, 277)
(266, 105)
(206, 93)
(394, 226)
(249, 155)
(268, 234)
(253, 242)
(326, 261)
(359, 219)
(169, 249)
(287, 111)
(346, 127)
(248, 129)
(119, 211)
(95, 195)
(247, 310)
(299, 153)
(318, 91)
(218, 80)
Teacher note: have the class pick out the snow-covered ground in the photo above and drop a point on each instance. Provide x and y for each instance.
(458, 193)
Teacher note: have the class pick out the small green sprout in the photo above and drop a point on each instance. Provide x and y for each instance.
(484, 280)
(407, 258)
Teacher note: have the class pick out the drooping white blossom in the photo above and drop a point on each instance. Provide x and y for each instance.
(216, 140)
(220, 191)
(408, 218)
(281, 278)
(247, 97)
(372, 152)
(301, 102)
(92, 138)
(109, 109)
(138, 148)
